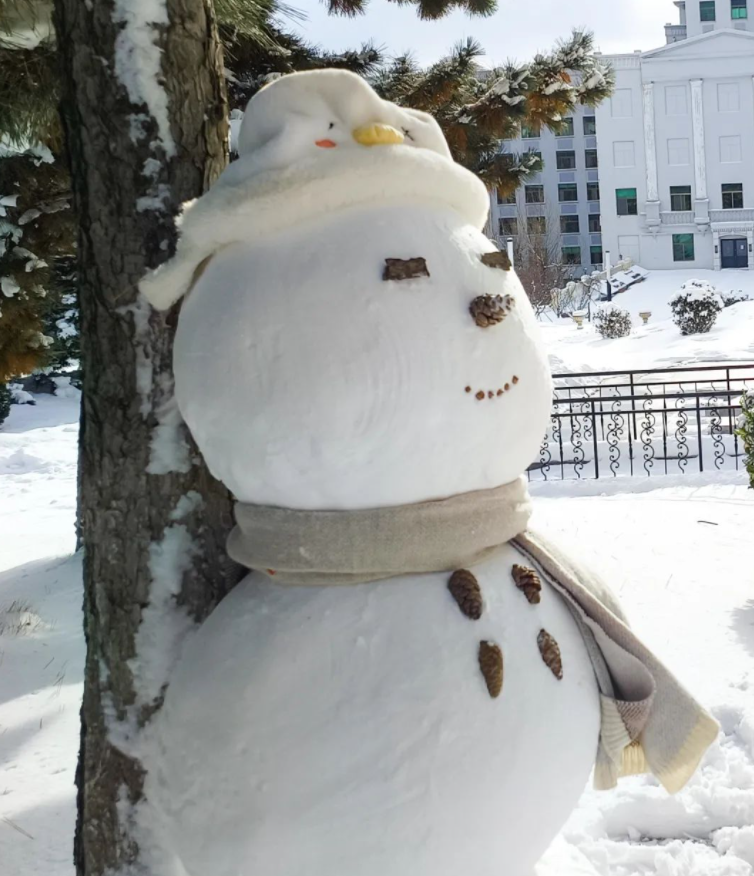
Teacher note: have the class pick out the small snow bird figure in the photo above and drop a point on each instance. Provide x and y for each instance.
(418, 685)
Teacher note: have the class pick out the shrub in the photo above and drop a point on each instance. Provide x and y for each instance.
(696, 307)
(5, 397)
(612, 322)
(745, 432)
(730, 298)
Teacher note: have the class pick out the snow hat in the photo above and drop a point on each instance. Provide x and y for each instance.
(297, 115)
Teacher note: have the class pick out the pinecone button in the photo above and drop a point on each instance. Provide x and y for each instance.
(491, 665)
(528, 581)
(465, 589)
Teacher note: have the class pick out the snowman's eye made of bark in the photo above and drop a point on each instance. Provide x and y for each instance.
(331, 126)
(407, 133)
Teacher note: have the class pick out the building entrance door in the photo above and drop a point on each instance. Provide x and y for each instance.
(735, 253)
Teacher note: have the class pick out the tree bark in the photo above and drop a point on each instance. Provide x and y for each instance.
(128, 186)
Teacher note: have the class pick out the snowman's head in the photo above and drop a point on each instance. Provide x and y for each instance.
(304, 114)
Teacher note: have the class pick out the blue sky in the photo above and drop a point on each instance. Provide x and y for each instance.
(517, 30)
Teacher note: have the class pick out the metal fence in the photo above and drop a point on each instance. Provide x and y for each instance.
(640, 423)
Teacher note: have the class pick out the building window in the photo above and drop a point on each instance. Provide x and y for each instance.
(738, 9)
(678, 152)
(590, 126)
(728, 97)
(707, 10)
(733, 196)
(683, 247)
(506, 199)
(509, 227)
(596, 253)
(676, 103)
(566, 160)
(530, 132)
(536, 225)
(592, 191)
(595, 223)
(680, 198)
(590, 156)
(534, 194)
(569, 225)
(566, 129)
(624, 154)
(626, 202)
(621, 104)
(730, 150)
(571, 255)
(568, 192)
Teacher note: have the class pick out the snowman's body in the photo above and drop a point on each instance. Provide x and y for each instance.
(333, 731)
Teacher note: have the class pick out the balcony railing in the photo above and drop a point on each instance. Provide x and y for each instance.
(674, 33)
(678, 217)
(745, 215)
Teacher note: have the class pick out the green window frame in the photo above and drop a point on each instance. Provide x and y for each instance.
(508, 227)
(571, 255)
(595, 223)
(566, 129)
(590, 126)
(566, 160)
(707, 10)
(738, 10)
(680, 198)
(626, 202)
(506, 199)
(570, 225)
(568, 192)
(530, 132)
(733, 196)
(534, 194)
(683, 247)
(593, 191)
(595, 253)
(536, 225)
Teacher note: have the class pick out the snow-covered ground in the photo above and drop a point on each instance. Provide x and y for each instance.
(660, 343)
(679, 552)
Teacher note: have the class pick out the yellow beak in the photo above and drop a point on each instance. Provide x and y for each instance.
(377, 135)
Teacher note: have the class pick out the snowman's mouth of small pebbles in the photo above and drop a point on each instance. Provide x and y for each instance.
(498, 392)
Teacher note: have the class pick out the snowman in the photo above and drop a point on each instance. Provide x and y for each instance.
(410, 682)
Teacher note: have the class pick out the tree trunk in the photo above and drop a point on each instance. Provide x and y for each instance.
(146, 130)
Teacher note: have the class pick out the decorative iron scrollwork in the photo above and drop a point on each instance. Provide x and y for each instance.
(645, 436)
(615, 430)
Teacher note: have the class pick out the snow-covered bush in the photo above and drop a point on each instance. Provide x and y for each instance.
(19, 396)
(612, 322)
(5, 398)
(696, 307)
(745, 432)
(731, 298)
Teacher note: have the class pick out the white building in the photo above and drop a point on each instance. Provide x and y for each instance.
(676, 144)
(561, 202)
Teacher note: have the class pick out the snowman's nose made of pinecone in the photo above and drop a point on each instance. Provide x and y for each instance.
(378, 135)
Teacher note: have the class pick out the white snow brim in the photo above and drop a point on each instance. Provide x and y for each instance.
(246, 205)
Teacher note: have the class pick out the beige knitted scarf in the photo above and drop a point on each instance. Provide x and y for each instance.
(650, 723)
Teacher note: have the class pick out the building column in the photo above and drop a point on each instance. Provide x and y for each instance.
(650, 156)
(716, 253)
(700, 153)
